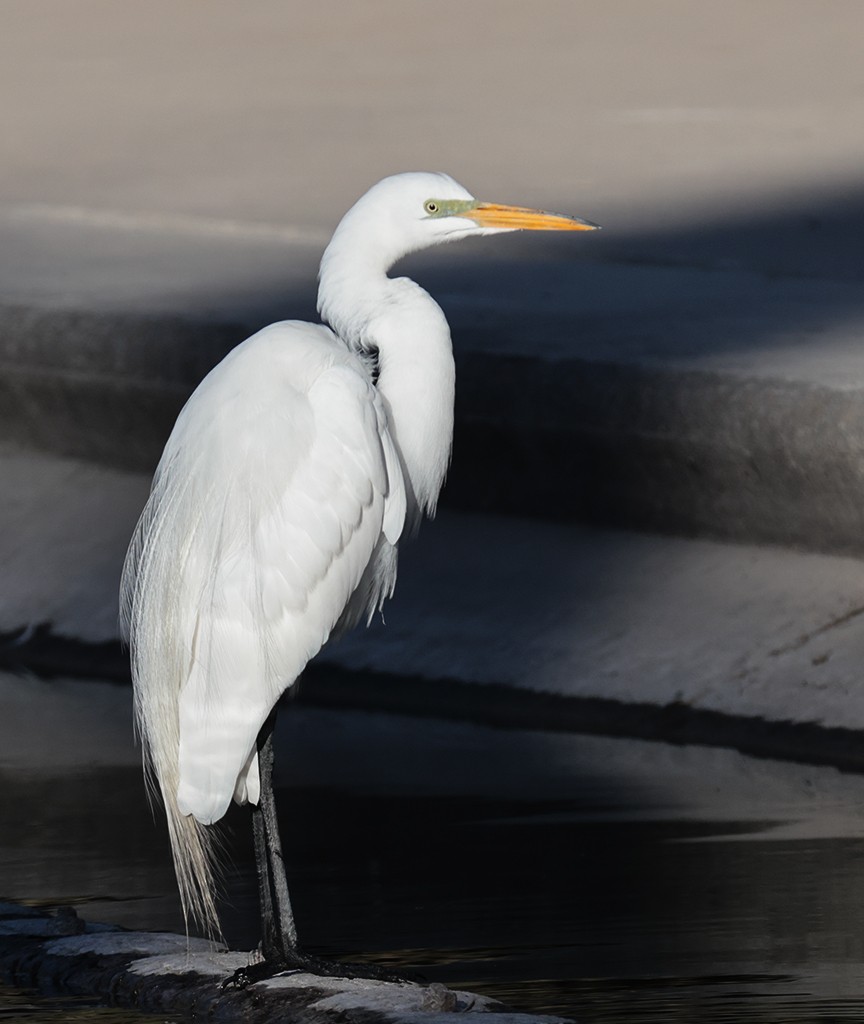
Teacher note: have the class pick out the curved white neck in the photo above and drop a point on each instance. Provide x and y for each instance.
(416, 375)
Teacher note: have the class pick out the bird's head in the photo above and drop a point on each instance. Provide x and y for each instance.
(418, 209)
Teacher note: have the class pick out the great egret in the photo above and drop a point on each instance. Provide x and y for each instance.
(274, 517)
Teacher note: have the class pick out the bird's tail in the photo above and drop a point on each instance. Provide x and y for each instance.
(149, 606)
(194, 849)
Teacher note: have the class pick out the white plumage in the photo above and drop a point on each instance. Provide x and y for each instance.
(273, 522)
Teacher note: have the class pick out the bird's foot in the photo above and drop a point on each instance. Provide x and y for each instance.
(295, 962)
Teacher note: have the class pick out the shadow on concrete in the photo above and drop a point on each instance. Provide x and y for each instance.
(560, 429)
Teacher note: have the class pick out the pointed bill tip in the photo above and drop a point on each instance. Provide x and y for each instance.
(521, 218)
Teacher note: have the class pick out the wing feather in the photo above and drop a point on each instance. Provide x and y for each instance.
(276, 506)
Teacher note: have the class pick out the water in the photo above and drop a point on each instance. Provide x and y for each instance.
(606, 880)
(23, 1007)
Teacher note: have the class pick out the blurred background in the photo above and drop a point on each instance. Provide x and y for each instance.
(655, 115)
(653, 522)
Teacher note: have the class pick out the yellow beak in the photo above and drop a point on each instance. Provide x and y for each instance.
(520, 218)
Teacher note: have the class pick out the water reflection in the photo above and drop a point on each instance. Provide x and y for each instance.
(18, 1005)
(604, 879)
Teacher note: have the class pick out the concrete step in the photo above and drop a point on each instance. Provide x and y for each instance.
(697, 401)
(540, 609)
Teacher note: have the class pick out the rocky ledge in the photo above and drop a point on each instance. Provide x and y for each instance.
(160, 972)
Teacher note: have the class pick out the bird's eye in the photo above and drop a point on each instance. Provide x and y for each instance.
(430, 206)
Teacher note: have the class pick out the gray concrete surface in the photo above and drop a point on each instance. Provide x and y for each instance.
(649, 112)
(562, 609)
(171, 177)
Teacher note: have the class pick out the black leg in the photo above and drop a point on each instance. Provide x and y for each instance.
(279, 933)
(265, 899)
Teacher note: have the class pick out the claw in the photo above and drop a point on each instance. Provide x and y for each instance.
(296, 962)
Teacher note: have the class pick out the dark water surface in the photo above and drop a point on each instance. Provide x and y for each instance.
(29, 1008)
(605, 880)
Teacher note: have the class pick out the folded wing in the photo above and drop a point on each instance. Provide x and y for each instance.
(279, 492)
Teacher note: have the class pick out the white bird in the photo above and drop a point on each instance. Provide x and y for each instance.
(287, 483)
